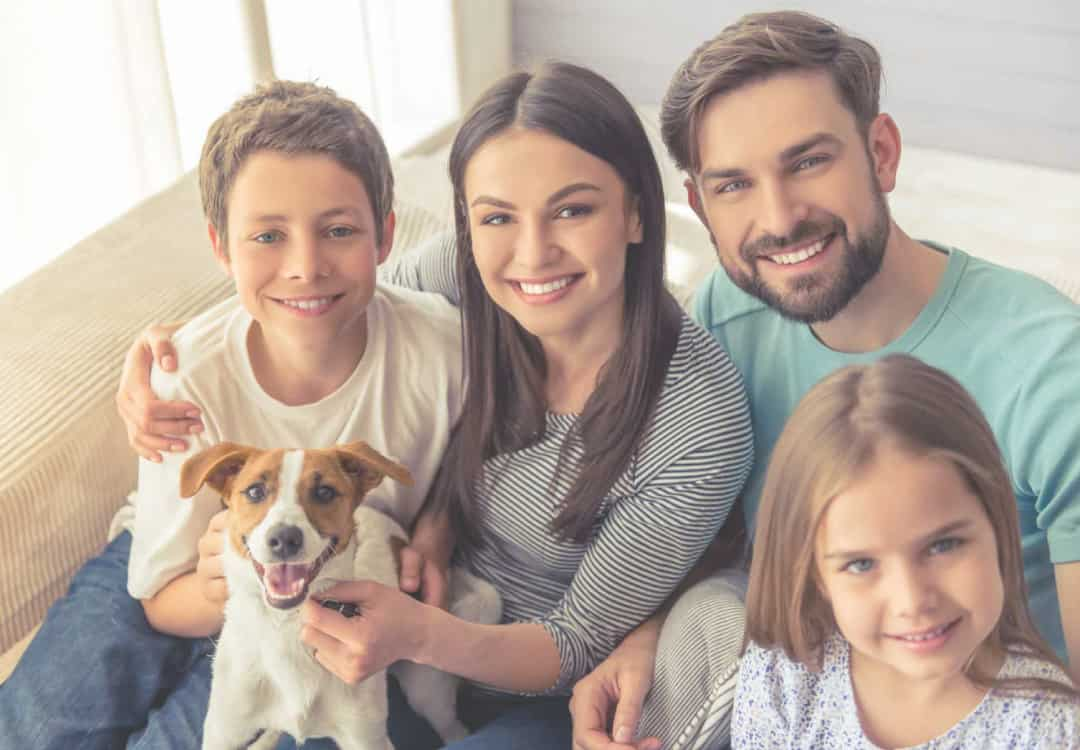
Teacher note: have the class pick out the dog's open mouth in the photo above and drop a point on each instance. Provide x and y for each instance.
(285, 585)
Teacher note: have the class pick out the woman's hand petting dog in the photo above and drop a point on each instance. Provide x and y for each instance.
(153, 425)
(422, 575)
(211, 567)
(389, 626)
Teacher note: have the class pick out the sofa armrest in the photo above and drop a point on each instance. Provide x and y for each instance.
(63, 334)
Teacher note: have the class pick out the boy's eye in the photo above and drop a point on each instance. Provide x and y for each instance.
(731, 187)
(571, 212)
(941, 546)
(256, 493)
(340, 232)
(861, 565)
(267, 237)
(323, 493)
(809, 161)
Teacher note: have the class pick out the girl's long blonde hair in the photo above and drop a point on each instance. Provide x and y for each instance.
(830, 439)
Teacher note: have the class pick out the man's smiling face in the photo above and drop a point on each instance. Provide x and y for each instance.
(791, 194)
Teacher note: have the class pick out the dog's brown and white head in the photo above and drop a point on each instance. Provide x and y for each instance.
(290, 510)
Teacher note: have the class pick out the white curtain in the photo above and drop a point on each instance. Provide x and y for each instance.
(105, 102)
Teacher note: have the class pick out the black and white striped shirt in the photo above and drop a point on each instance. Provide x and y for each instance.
(655, 522)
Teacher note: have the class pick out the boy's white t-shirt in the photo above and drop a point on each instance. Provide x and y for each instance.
(403, 399)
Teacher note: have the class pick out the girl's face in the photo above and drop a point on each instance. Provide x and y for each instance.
(550, 224)
(908, 560)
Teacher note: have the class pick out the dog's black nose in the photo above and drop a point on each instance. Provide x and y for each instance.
(285, 541)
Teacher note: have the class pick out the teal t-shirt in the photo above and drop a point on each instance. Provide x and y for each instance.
(1012, 340)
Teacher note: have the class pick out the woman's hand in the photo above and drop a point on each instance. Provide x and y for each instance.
(388, 626)
(616, 689)
(211, 567)
(153, 425)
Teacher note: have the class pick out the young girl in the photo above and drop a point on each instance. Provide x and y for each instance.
(604, 435)
(886, 605)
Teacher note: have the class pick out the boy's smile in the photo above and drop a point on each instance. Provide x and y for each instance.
(301, 246)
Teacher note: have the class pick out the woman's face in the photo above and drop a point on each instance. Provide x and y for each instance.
(550, 224)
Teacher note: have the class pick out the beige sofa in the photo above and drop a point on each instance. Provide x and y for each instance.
(67, 467)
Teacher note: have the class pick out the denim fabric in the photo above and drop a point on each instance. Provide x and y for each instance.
(97, 675)
(511, 724)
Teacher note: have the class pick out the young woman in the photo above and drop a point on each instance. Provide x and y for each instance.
(886, 605)
(604, 435)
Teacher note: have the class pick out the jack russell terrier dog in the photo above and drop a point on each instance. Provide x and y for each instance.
(297, 526)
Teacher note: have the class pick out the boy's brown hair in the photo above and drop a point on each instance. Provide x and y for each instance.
(754, 48)
(291, 117)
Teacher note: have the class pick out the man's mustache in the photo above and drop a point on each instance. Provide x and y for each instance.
(804, 230)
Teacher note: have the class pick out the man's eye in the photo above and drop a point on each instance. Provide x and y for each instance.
(862, 565)
(323, 493)
(256, 493)
(340, 232)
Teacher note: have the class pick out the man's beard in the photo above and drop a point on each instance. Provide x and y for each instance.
(817, 297)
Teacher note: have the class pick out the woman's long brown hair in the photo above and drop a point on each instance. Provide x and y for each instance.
(505, 405)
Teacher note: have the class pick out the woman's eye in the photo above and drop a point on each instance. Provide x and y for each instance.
(570, 212)
(340, 232)
(862, 565)
(942, 546)
(256, 493)
(323, 493)
(495, 219)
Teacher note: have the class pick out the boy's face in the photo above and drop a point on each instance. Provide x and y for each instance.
(302, 248)
(793, 194)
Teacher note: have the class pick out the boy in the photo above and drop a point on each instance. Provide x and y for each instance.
(297, 190)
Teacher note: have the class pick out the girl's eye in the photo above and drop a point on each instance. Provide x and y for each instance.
(810, 161)
(267, 237)
(256, 493)
(323, 493)
(941, 546)
(570, 212)
(495, 219)
(340, 232)
(861, 565)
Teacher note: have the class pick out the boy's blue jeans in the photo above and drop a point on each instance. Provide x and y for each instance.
(97, 675)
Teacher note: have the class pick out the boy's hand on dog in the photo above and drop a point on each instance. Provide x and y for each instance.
(153, 425)
(422, 575)
(211, 568)
(388, 626)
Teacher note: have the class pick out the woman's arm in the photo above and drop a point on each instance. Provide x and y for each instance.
(430, 267)
(393, 626)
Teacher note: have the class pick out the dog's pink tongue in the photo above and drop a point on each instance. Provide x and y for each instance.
(285, 579)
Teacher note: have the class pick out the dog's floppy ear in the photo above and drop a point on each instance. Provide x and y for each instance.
(369, 466)
(215, 466)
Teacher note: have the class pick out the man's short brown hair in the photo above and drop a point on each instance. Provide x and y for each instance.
(754, 48)
(290, 117)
